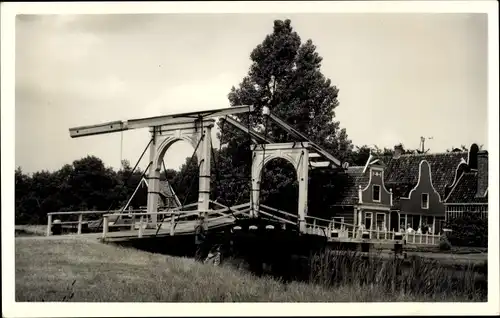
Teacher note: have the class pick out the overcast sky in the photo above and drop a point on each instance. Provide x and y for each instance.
(400, 76)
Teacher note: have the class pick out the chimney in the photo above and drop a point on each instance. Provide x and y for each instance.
(473, 156)
(482, 173)
(398, 151)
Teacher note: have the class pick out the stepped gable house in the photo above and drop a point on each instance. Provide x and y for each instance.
(365, 199)
(414, 190)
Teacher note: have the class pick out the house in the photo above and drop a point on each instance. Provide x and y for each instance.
(470, 193)
(413, 190)
(365, 198)
(420, 183)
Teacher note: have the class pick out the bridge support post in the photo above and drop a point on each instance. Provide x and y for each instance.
(254, 207)
(303, 176)
(204, 158)
(49, 224)
(153, 179)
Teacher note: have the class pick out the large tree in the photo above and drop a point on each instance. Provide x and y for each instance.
(285, 75)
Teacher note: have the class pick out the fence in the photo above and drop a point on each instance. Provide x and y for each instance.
(345, 231)
(68, 215)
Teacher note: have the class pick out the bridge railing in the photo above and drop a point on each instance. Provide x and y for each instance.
(144, 220)
(410, 238)
(280, 215)
(115, 218)
(67, 219)
(329, 228)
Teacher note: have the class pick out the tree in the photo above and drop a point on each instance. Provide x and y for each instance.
(92, 184)
(360, 154)
(285, 76)
(462, 148)
(185, 183)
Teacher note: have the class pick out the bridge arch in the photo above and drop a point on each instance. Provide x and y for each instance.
(295, 153)
(197, 134)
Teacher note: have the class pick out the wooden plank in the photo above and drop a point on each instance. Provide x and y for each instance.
(277, 217)
(279, 211)
(123, 125)
(299, 135)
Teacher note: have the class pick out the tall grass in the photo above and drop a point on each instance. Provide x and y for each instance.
(414, 276)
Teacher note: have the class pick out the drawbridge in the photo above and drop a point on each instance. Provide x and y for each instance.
(175, 218)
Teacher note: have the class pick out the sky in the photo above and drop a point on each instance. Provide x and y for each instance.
(400, 77)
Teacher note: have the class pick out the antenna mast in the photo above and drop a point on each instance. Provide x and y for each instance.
(422, 144)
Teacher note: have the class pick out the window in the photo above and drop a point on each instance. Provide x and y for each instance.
(425, 200)
(337, 222)
(376, 193)
(368, 220)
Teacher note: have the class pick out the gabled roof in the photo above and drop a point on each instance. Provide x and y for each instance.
(465, 191)
(402, 174)
(355, 177)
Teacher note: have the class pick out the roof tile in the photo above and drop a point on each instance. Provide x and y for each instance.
(355, 178)
(402, 174)
(465, 190)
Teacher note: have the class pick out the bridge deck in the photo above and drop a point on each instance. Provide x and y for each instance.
(182, 228)
(185, 223)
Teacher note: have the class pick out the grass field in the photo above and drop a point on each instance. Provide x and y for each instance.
(86, 270)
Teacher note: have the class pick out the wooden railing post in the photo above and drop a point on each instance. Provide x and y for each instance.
(132, 224)
(80, 219)
(172, 224)
(105, 226)
(141, 220)
(49, 224)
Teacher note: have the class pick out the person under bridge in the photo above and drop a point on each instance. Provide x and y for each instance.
(200, 239)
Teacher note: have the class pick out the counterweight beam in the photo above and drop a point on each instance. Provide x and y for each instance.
(119, 125)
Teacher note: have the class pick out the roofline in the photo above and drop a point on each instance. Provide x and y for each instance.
(432, 154)
(430, 179)
(477, 203)
(454, 187)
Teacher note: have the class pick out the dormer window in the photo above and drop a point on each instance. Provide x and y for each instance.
(425, 201)
(376, 193)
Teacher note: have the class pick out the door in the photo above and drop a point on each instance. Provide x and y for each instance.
(380, 225)
(368, 220)
(394, 225)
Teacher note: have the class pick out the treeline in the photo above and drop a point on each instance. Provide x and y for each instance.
(86, 184)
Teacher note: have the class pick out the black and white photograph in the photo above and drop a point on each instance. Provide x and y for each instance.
(332, 155)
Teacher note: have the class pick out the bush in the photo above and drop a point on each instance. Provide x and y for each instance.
(444, 243)
(469, 230)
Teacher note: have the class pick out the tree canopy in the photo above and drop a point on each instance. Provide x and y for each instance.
(285, 75)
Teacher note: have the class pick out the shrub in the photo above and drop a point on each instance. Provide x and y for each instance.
(469, 230)
(444, 243)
